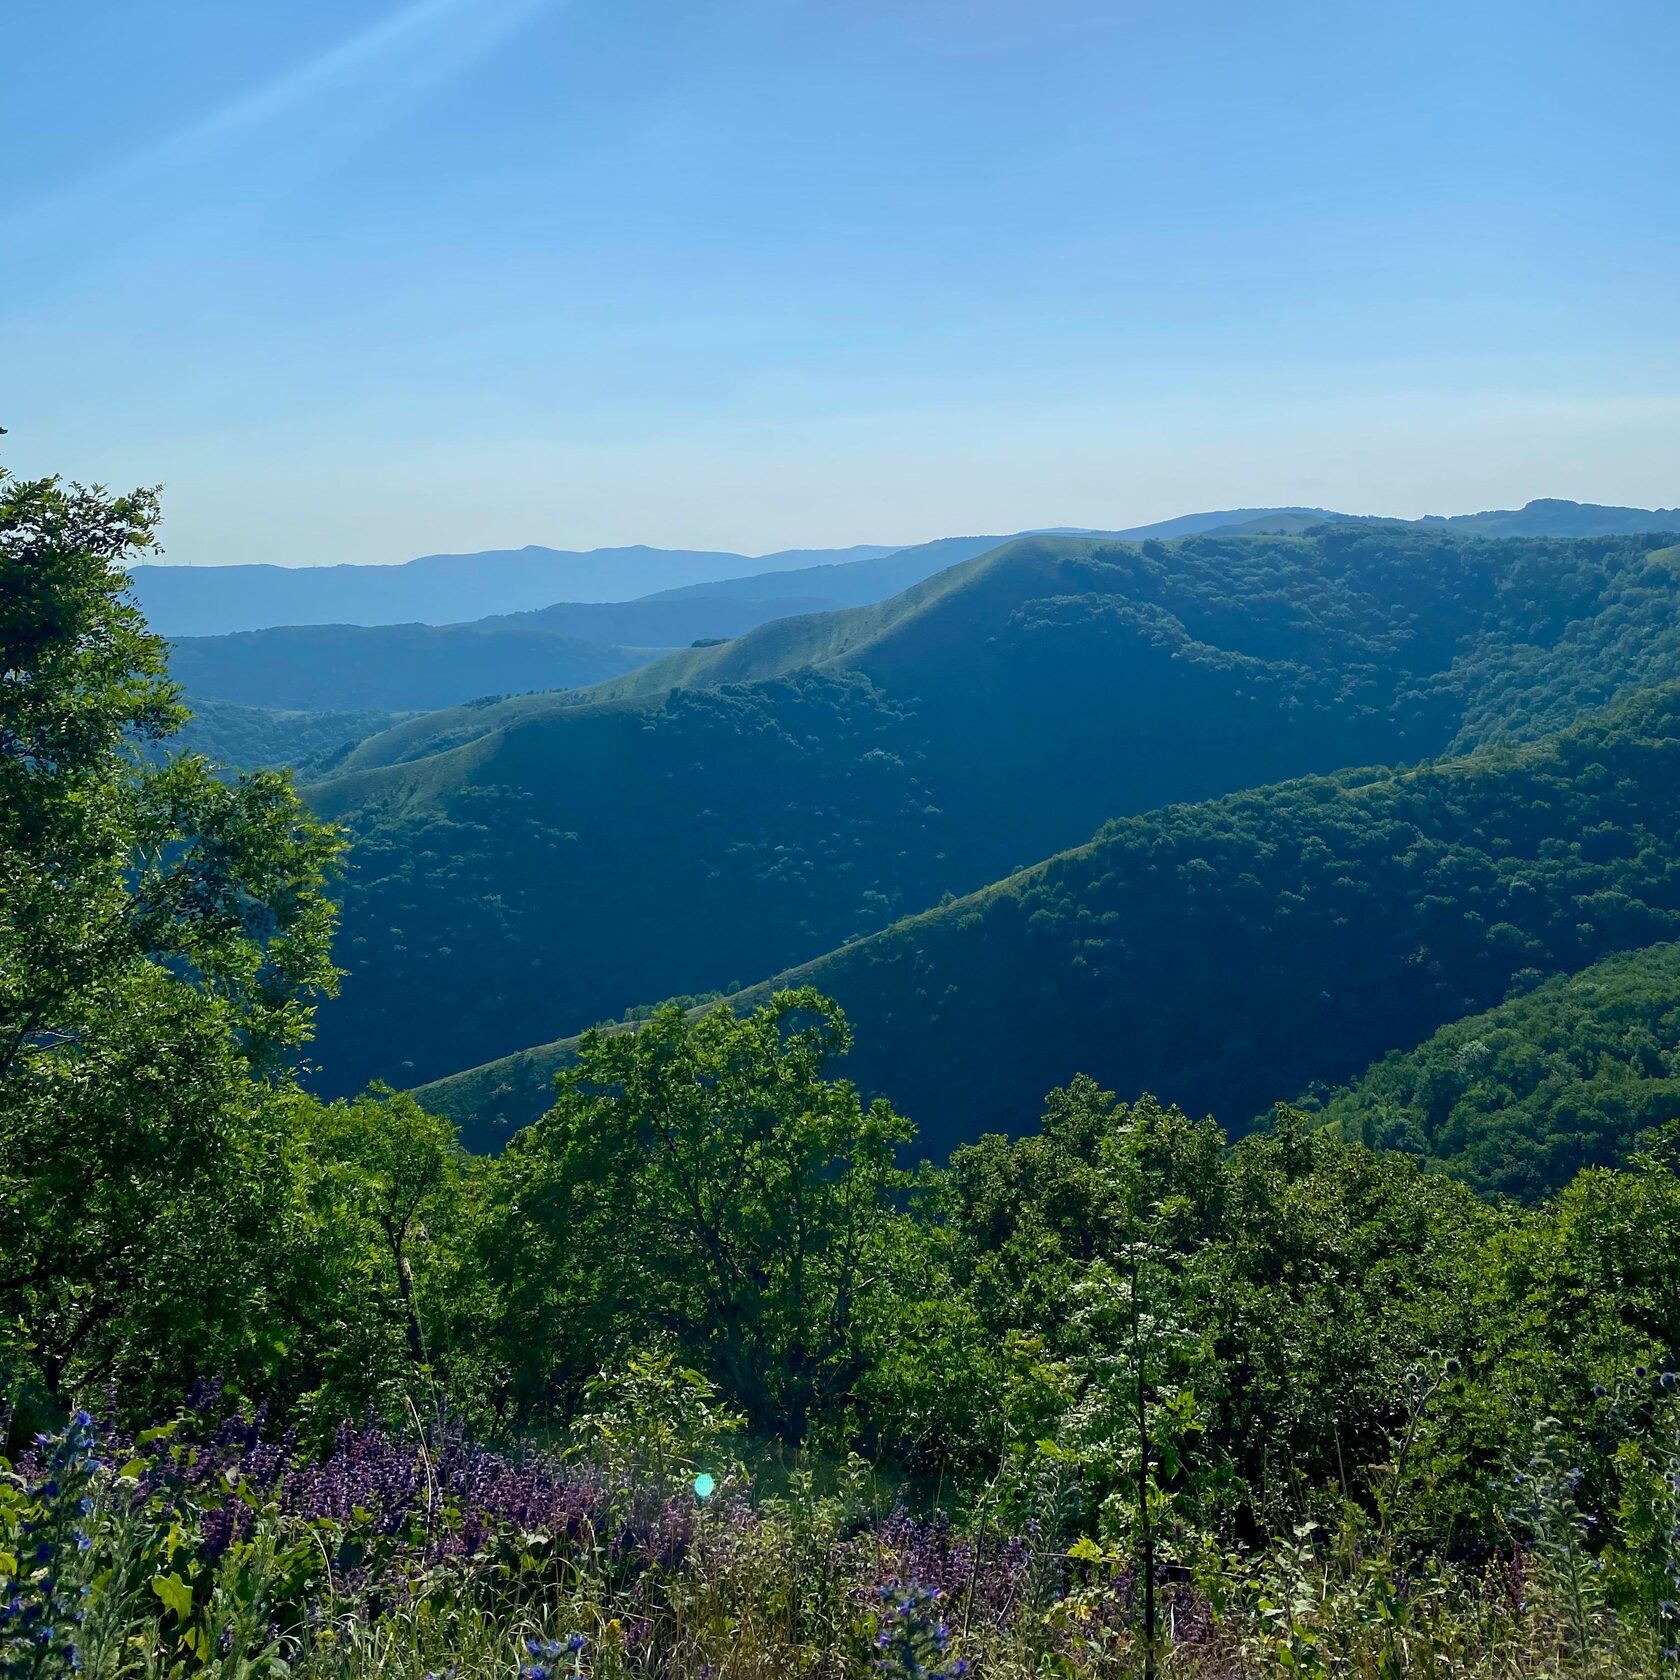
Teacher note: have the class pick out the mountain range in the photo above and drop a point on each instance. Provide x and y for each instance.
(439, 589)
(436, 588)
(528, 866)
(575, 644)
(395, 667)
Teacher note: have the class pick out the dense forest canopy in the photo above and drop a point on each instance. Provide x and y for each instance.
(558, 860)
(1519, 1099)
(264, 738)
(1222, 952)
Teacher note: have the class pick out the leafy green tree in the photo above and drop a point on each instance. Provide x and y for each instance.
(163, 937)
(1139, 1348)
(702, 1180)
(388, 1183)
(1029, 1213)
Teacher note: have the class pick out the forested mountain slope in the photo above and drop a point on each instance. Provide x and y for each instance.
(259, 738)
(1519, 1099)
(812, 780)
(1219, 953)
(397, 667)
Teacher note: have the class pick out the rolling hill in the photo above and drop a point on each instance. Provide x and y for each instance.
(395, 667)
(527, 867)
(263, 738)
(1519, 1099)
(1216, 954)
(1550, 517)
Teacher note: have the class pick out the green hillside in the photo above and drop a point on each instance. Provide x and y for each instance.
(809, 782)
(775, 649)
(1219, 953)
(396, 667)
(261, 738)
(1519, 1099)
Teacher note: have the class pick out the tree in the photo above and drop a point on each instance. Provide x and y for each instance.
(700, 1179)
(383, 1159)
(163, 938)
(1140, 1347)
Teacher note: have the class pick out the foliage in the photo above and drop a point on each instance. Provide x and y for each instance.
(1135, 1399)
(1376, 907)
(702, 1180)
(233, 1557)
(745, 808)
(383, 1303)
(1516, 1101)
(256, 738)
(163, 938)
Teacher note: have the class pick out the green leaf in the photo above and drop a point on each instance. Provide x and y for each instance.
(175, 1594)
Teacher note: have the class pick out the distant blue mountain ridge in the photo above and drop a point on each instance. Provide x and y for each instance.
(364, 659)
(436, 588)
(456, 588)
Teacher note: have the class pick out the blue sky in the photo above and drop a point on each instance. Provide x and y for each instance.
(360, 280)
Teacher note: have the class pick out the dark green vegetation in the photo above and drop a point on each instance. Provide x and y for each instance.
(1226, 951)
(1135, 1399)
(734, 811)
(163, 936)
(391, 667)
(262, 738)
(1520, 1099)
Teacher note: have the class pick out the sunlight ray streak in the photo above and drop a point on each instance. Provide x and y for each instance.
(440, 40)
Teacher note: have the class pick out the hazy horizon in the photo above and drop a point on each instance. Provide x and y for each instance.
(839, 548)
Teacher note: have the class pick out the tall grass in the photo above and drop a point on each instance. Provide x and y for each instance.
(235, 1557)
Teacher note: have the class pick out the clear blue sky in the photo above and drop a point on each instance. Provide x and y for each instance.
(359, 279)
